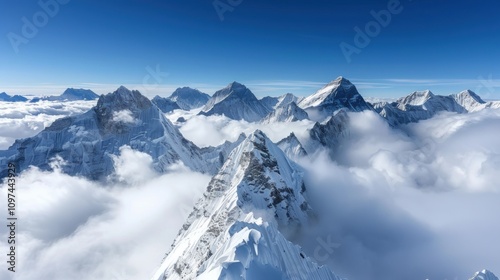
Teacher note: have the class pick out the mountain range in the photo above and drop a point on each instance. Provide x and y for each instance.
(70, 94)
(184, 98)
(257, 200)
(16, 98)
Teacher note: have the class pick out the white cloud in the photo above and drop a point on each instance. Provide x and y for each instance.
(24, 119)
(72, 228)
(414, 203)
(411, 204)
(124, 116)
(214, 130)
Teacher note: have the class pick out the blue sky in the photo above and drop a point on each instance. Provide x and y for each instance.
(272, 46)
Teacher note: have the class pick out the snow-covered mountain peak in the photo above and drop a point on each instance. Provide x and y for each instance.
(121, 99)
(234, 230)
(467, 97)
(336, 87)
(188, 98)
(286, 113)
(338, 94)
(237, 89)
(416, 98)
(484, 275)
(292, 147)
(237, 102)
(286, 99)
(340, 80)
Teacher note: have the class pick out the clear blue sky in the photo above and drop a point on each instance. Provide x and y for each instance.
(273, 46)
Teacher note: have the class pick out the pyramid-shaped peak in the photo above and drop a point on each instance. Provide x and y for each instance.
(234, 88)
(341, 81)
(471, 94)
(235, 85)
(185, 91)
(416, 98)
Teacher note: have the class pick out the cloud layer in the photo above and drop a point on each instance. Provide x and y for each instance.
(412, 204)
(214, 130)
(26, 119)
(71, 228)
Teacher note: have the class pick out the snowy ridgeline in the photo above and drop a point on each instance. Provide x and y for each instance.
(233, 232)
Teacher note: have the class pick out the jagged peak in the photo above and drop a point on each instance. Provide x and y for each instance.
(338, 93)
(123, 98)
(290, 138)
(258, 134)
(333, 86)
(122, 89)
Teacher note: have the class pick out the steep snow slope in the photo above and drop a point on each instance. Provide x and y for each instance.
(234, 230)
(292, 147)
(188, 98)
(272, 103)
(236, 102)
(286, 113)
